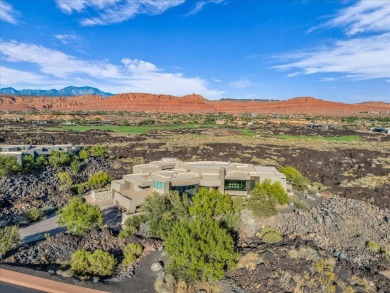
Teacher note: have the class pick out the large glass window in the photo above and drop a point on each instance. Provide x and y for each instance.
(158, 185)
(235, 185)
(188, 189)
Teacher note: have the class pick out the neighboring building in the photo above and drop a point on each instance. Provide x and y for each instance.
(187, 177)
(18, 151)
(380, 129)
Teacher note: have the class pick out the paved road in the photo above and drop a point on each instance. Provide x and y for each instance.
(38, 230)
(9, 288)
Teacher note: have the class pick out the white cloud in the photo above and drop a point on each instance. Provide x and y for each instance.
(75, 41)
(241, 83)
(363, 57)
(364, 16)
(200, 4)
(132, 75)
(115, 11)
(7, 13)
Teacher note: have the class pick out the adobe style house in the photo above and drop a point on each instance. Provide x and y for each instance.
(187, 177)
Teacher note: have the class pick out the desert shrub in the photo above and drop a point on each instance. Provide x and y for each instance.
(9, 238)
(98, 263)
(200, 249)
(79, 216)
(166, 284)
(97, 151)
(131, 252)
(59, 159)
(40, 160)
(8, 165)
(83, 154)
(300, 204)
(270, 235)
(303, 252)
(373, 246)
(65, 181)
(99, 179)
(132, 225)
(75, 165)
(79, 188)
(295, 177)
(249, 261)
(163, 211)
(28, 162)
(261, 203)
(34, 214)
(324, 268)
(316, 187)
(273, 189)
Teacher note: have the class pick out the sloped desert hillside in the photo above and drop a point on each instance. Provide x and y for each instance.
(188, 104)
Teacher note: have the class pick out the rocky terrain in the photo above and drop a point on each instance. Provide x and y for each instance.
(324, 249)
(141, 102)
(40, 188)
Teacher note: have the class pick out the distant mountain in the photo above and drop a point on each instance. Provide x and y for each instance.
(65, 92)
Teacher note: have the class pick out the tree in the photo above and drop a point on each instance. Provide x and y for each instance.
(79, 216)
(59, 159)
(212, 203)
(98, 263)
(99, 179)
(9, 238)
(9, 165)
(200, 250)
(65, 181)
(98, 151)
(163, 211)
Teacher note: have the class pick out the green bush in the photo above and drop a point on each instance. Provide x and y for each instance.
(79, 216)
(273, 189)
(200, 249)
(98, 263)
(98, 151)
(270, 235)
(261, 203)
(131, 252)
(75, 165)
(79, 188)
(59, 159)
(34, 214)
(84, 154)
(132, 225)
(65, 181)
(373, 246)
(295, 177)
(8, 165)
(99, 179)
(9, 238)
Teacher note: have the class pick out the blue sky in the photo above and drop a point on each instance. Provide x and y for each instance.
(334, 50)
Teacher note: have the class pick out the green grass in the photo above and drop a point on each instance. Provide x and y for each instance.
(318, 137)
(125, 129)
(247, 132)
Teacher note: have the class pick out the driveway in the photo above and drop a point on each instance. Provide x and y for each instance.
(37, 231)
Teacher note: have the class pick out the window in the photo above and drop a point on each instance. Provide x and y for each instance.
(158, 185)
(235, 185)
(188, 189)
